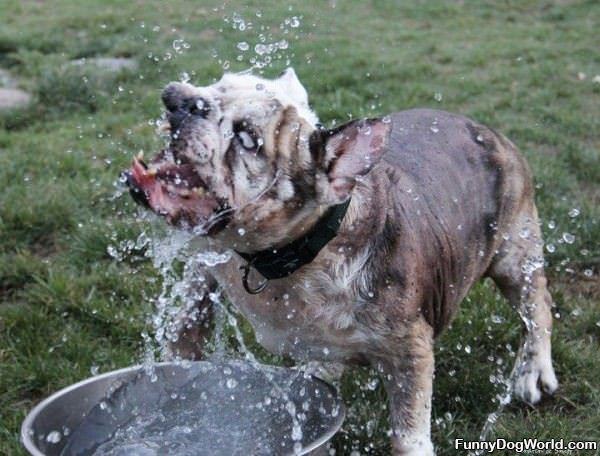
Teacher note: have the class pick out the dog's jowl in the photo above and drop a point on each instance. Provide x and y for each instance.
(356, 244)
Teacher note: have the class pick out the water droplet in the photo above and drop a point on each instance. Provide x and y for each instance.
(94, 370)
(574, 212)
(243, 46)
(364, 130)
(54, 437)
(211, 259)
(437, 96)
(294, 22)
(497, 319)
(524, 233)
(434, 129)
(231, 383)
(588, 273)
(568, 238)
(551, 248)
(113, 252)
(372, 384)
(297, 432)
(260, 86)
(260, 49)
(184, 77)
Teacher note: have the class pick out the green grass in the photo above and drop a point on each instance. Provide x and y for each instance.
(66, 305)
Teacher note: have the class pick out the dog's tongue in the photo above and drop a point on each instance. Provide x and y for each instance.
(167, 192)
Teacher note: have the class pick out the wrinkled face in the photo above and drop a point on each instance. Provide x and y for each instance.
(247, 161)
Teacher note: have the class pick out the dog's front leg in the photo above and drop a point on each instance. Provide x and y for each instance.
(407, 372)
(193, 322)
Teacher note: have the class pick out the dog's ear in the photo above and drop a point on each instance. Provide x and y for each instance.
(291, 85)
(346, 153)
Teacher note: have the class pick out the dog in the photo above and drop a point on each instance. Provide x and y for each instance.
(351, 245)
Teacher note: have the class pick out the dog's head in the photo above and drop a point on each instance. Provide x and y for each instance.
(248, 162)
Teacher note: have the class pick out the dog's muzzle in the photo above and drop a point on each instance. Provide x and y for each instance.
(175, 191)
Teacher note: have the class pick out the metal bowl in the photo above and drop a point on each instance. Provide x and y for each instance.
(211, 408)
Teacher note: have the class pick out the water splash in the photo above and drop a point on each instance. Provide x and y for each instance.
(261, 44)
(179, 264)
(179, 258)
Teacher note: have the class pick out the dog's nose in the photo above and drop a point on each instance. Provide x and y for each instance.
(181, 104)
(173, 95)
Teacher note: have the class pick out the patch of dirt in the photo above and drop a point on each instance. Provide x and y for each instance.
(109, 64)
(10, 96)
(13, 99)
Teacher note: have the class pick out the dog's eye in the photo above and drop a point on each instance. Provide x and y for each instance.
(246, 140)
(247, 136)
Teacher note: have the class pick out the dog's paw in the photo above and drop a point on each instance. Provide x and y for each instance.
(532, 378)
(418, 447)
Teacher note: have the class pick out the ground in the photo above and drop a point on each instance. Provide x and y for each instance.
(529, 69)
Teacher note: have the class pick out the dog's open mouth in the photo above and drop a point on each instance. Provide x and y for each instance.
(176, 192)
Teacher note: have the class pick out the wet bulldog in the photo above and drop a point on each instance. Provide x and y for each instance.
(354, 244)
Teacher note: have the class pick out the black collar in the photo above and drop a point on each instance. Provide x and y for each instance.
(281, 262)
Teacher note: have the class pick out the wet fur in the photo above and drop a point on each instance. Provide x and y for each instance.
(439, 211)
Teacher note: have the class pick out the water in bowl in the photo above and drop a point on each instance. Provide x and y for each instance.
(225, 408)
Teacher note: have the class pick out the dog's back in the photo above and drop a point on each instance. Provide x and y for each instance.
(457, 188)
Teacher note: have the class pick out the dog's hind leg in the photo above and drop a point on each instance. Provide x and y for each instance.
(518, 270)
(194, 321)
